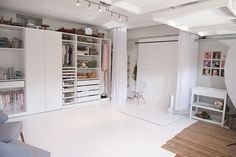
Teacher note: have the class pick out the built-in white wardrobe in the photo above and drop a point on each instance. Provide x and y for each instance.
(34, 77)
(43, 70)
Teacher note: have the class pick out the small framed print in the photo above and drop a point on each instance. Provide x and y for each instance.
(207, 55)
(223, 55)
(223, 64)
(206, 72)
(207, 63)
(216, 55)
(216, 64)
(222, 73)
(215, 72)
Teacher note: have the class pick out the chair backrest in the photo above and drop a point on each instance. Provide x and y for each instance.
(3, 117)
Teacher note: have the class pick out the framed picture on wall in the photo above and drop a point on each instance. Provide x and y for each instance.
(222, 73)
(206, 72)
(216, 55)
(207, 55)
(213, 63)
(207, 63)
(216, 64)
(223, 55)
(223, 64)
(215, 72)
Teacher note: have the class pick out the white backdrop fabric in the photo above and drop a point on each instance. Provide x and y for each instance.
(157, 66)
(119, 66)
(187, 71)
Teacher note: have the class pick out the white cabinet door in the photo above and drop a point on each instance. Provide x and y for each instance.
(35, 70)
(53, 70)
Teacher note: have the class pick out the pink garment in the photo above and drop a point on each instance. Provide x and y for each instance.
(105, 63)
(105, 67)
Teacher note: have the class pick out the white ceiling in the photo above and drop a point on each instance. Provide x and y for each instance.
(205, 17)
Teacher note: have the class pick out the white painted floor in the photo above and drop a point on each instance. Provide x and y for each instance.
(156, 114)
(98, 131)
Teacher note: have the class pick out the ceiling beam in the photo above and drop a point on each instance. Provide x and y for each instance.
(164, 5)
(213, 27)
(221, 32)
(182, 11)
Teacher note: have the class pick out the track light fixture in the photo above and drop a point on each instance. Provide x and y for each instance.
(99, 8)
(101, 5)
(120, 17)
(77, 3)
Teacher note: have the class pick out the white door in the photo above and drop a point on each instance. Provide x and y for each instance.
(35, 65)
(53, 70)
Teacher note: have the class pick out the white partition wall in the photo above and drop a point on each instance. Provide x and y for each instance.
(157, 70)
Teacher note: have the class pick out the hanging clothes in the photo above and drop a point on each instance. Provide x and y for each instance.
(12, 100)
(105, 68)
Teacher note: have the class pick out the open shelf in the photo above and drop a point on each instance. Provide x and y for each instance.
(80, 55)
(12, 49)
(207, 107)
(68, 41)
(10, 27)
(87, 79)
(214, 121)
(12, 80)
(88, 43)
(88, 68)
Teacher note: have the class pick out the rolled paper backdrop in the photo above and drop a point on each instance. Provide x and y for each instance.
(230, 74)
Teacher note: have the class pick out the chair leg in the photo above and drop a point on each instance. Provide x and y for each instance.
(22, 137)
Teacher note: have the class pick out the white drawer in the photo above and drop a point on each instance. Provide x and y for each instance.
(89, 98)
(87, 88)
(88, 93)
(13, 84)
(90, 82)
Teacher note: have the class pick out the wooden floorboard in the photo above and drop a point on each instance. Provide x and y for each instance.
(203, 140)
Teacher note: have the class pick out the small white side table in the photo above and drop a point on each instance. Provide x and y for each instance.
(217, 115)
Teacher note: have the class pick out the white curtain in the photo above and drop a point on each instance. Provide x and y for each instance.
(187, 71)
(119, 66)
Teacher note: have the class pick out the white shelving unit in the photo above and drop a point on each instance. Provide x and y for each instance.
(13, 58)
(88, 85)
(69, 69)
(197, 104)
(87, 68)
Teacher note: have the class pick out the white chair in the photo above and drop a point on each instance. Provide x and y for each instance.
(135, 92)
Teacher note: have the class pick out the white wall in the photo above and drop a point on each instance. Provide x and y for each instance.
(212, 45)
(151, 32)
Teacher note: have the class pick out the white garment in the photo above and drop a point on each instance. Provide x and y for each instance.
(119, 66)
(187, 71)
